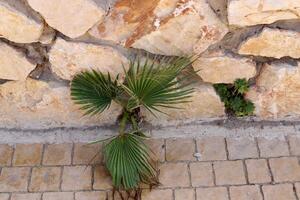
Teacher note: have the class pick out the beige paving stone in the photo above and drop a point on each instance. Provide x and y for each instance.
(57, 154)
(278, 192)
(45, 179)
(27, 154)
(157, 194)
(77, 178)
(171, 170)
(14, 179)
(285, 169)
(297, 185)
(212, 148)
(157, 146)
(180, 149)
(215, 193)
(229, 172)
(102, 179)
(258, 171)
(273, 147)
(241, 148)
(201, 174)
(185, 194)
(6, 152)
(90, 196)
(295, 145)
(85, 154)
(58, 196)
(26, 196)
(245, 193)
(4, 196)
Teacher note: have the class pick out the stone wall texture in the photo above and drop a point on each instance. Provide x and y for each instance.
(44, 43)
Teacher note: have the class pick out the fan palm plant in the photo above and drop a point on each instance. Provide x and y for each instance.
(153, 84)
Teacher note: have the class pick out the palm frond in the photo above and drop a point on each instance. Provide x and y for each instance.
(128, 160)
(94, 91)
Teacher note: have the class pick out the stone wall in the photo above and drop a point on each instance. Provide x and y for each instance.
(44, 43)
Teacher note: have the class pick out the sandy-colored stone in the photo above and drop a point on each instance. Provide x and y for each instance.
(211, 148)
(278, 192)
(204, 104)
(85, 154)
(28, 154)
(201, 174)
(216, 193)
(158, 147)
(241, 148)
(245, 193)
(76, 178)
(171, 170)
(229, 172)
(220, 67)
(71, 17)
(285, 169)
(69, 58)
(186, 194)
(252, 12)
(6, 153)
(28, 196)
(18, 23)
(14, 179)
(37, 104)
(273, 147)
(90, 196)
(297, 186)
(157, 194)
(272, 43)
(45, 179)
(258, 171)
(275, 94)
(186, 152)
(58, 196)
(13, 63)
(168, 27)
(57, 154)
(294, 142)
(4, 196)
(102, 179)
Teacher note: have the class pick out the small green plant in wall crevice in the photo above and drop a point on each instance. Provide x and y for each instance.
(233, 97)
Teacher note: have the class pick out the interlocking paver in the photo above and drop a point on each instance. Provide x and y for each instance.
(102, 180)
(184, 153)
(58, 196)
(229, 172)
(157, 146)
(185, 194)
(157, 194)
(273, 147)
(6, 152)
(279, 192)
(14, 179)
(57, 154)
(90, 195)
(45, 179)
(171, 170)
(26, 196)
(4, 196)
(285, 169)
(85, 154)
(241, 148)
(294, 142)
(217, 193)
(245, 193)
(212, 148)
(28, 154)
(76, 178)
(202, 174)
(258, 171)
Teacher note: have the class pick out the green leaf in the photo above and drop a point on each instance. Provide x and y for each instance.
(241, 85)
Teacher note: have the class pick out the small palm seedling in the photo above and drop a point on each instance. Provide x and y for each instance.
(152, 85)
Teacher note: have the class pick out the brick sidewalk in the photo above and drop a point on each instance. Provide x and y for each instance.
(210, 168)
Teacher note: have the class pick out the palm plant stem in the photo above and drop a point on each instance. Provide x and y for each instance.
(123, 122)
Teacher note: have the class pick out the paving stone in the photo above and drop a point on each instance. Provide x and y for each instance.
(158, 147)
(279, 192)
(297, 186)
(28, 154)
(90, 196)
(201, 174)
(58, 196)
(85, 154)
(185, 194)
(14, 179)
(45, 179)
(285, 169)
(229, 172)
(26, 196)
(295, 145)
(102, 179)
(273, 147)
(216, 193)
(4, 196)
(212, 148)
(245, 193)
(241, 148)
(57, 154)
(171, 170)
(180, 149)
(6, 152)
(77, 178)
(157, 194)
(258, 171)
